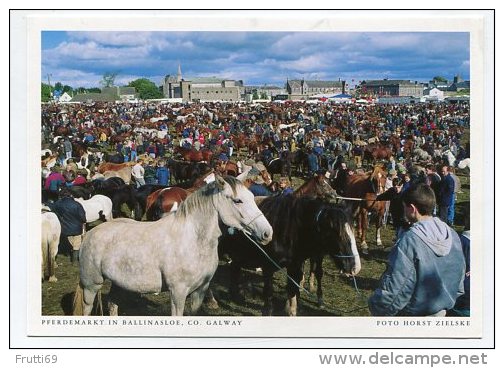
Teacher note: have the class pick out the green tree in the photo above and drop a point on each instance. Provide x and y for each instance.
(45, 92)
(146, 89)
(440, 79)
(93, 90)
(58, 86)
(108, 79)
(68, 89)
(255, 96)
(264, 96)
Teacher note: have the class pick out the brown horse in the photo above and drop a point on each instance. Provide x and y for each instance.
(227, 168)
(163, 201)
(366, 187)
(108, 166)
(189, 154)
(316, 187)
(169, 199)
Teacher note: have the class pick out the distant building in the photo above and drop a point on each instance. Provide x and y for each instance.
(269, 91)
(459, 84)
(434, 94)
(303, 89)
(386, 87)
(202, 88)
(108, 94)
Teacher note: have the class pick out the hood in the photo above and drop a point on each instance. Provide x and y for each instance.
(436, 234)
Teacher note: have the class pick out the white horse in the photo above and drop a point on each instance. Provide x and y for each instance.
(465, 163)
(177, 252)
(97, 207)
(51, 232)
(449, 157)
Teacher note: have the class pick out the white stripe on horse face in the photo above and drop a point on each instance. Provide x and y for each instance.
(355, 253)
(174, 207)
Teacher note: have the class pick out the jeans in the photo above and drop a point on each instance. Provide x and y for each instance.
(450, 216)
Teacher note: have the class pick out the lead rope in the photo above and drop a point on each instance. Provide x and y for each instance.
(276, 264)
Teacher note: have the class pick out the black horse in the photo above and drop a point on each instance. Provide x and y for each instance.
(302, 228)
(281, 165)
(182, 171)
(120, 193)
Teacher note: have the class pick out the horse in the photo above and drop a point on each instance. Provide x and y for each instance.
(316, 187)
(98, 207)
(281, 165)
(302, 228)
(141, 195)
(366, 187)
(169, 199)
(119, 193)
(51, 232)
(228, 168)
(110, 166)
(164, 201)
(465, 163)
(124, 174)
(177, 253)
(182, 171)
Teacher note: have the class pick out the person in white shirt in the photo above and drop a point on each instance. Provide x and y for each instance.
(138, 173)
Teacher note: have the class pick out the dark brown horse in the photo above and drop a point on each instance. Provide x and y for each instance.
(366, 187)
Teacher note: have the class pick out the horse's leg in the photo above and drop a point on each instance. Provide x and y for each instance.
(268, 291)
(234, 285)
(379, 223)
(363, 230)
(177, 299)
(53, 251)
(210, 301)
(89, 297)
(197, 297)
(313, 266)
(295, 271)
(318, 274)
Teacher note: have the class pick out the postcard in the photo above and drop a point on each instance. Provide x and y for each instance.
(319, 112)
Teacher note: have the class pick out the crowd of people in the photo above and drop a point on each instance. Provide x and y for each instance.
(421, 143)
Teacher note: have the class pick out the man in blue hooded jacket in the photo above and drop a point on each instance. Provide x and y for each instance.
(425, 275)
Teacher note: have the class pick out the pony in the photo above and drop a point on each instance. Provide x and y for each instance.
(366, 187)
(177, 253)
(51, 232)
(98, 207)
(302, 228)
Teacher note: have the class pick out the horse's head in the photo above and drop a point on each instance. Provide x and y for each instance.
(237, 209)
(337, 237)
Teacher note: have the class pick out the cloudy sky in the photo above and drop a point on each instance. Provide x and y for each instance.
(81, 58)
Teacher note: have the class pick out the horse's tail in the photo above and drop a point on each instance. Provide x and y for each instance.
(78, 301)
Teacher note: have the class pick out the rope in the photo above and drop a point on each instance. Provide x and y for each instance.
(276, 264)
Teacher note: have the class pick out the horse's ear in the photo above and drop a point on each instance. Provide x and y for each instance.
(219, 181)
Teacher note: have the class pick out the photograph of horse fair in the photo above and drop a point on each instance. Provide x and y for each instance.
(251, 173)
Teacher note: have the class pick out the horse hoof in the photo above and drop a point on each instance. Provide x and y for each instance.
(365, 251)
(52, 279)
(212, 304)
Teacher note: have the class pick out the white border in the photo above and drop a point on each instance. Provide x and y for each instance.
(26, 31)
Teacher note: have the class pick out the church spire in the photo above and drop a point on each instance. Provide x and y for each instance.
(179, 73)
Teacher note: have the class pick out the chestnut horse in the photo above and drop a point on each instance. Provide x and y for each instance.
(169, 199)
(366, 187)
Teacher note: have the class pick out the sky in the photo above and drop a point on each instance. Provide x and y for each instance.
(80, 59)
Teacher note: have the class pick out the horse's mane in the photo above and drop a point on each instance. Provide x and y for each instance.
(200, 200)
